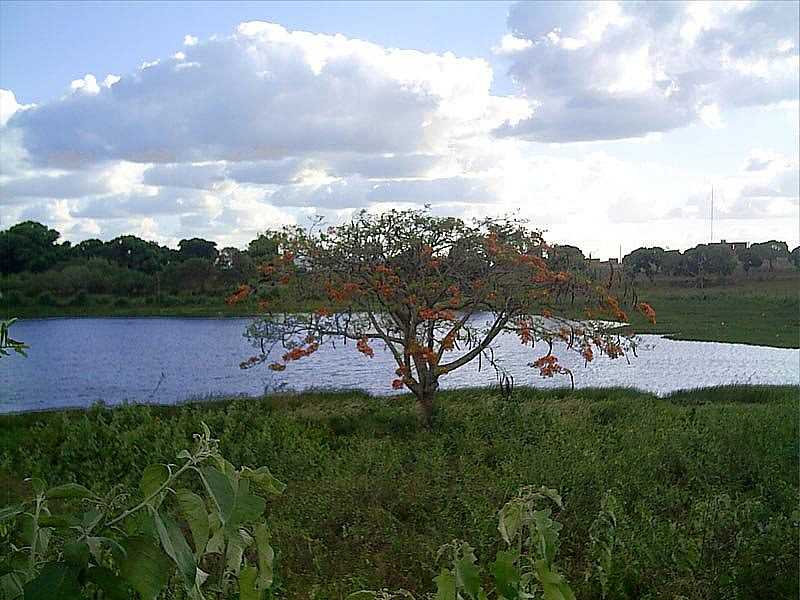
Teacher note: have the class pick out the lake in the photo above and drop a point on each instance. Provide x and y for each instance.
(77, 362)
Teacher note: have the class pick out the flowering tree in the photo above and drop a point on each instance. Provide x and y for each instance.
(435, 292)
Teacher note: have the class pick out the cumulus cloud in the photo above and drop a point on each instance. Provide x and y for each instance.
(606, 70)
(264, 127)
(268, 93)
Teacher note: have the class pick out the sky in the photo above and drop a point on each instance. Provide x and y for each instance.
(606, 124)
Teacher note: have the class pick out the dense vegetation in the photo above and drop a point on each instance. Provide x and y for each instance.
(694, 495)
(130, 276)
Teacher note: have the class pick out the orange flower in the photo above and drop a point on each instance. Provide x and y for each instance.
(648, 311)
(587, 353)
(363, 346)
(242, 292)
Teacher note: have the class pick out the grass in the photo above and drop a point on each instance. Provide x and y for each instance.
(765, 313)
(707, 480)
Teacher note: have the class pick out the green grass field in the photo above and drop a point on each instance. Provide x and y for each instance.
(764, 313)
(706, 481)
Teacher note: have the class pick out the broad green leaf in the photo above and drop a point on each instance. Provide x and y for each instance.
(221, 491)
(266, 557)
(553, 495)
(174, 544)
(445, 586)
(467, 576)
(247, 584)
(193, 509)
(58, 521)
(145, 567)
(153, 478)
(91, 518)
(10, 587)
(553, 585)
(77, 554)
(236, 504)
(68, 490)
(264, 480)
(511, 516)
(55, 580)
(234, 553)
(113, 586)
(506, 575)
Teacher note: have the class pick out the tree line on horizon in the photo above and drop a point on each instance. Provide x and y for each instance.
(36, 266)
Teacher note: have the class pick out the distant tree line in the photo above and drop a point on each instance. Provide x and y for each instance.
(38, 268)
(719, 260)
(703, 261)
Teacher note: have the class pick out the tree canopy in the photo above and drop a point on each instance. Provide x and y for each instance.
(435, 292)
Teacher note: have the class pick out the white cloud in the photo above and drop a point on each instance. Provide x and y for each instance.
(509, 44)
(267, 126)
(9, 106)
(86, 85)
(600, 71)
(268, 93)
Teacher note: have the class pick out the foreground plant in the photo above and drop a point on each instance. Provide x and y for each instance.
(525, 569)
(8, 344)
(434, 291)
(68, 542)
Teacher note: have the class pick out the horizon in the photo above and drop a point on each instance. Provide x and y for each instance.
(605, 124)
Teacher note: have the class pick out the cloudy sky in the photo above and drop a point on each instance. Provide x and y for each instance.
(607, 124)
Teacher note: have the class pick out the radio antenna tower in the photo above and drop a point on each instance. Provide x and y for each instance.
(712, 214)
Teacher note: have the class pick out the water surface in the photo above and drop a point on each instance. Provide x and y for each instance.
(77, 362)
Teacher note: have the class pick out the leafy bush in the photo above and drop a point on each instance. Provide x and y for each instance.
(67, 541)
(47, 299)
(525, 569)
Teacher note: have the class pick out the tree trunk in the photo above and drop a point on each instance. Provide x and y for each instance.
(425, 399)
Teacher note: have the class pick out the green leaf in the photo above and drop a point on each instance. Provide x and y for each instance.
(236, 504)
(445, 586)
(77, 554)
(145, 567)
(55, 580)
(174, 544)
(10, 587)
(193, 508)
(264, 480)
(68, 490)
(506, 575)
(247, 584)
(553, 584)
(221, 491)
(58, 521)
(467, 576)
(153, 478)
(511, 517)
(266, 557)
(113, 586)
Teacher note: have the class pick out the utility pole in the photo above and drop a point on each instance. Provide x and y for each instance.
(712, 214)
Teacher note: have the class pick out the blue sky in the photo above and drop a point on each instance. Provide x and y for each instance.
(46, 43)
(604, 123)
